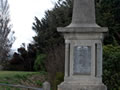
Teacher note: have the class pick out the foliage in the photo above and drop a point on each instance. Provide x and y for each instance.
(12, 74)
(38, 82)
(46, 29)
(55, 61)
(32, 79)
(107, 13)
(111, 74)
(9, 88)
(24, 59)
(58, 79)
(6, 35)
(48, 40)
(39, 62)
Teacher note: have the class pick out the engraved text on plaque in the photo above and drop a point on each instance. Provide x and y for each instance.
(82, 60)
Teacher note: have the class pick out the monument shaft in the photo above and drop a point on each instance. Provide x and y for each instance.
(83, 14)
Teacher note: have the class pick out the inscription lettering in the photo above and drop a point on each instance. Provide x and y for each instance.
(82, 60)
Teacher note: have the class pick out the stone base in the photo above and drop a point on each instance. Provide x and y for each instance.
(76, 86)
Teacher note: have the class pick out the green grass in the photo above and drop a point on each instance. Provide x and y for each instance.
(10, 74)
(34, 79)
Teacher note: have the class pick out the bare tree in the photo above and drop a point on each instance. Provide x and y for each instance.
(6, 35)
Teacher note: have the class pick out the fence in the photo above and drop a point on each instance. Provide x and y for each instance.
(46, 86)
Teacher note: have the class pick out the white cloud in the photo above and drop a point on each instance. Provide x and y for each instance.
(22, 14)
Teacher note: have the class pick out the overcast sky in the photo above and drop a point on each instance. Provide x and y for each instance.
(22, 13)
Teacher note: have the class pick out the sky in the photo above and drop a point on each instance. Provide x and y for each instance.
(22, 13)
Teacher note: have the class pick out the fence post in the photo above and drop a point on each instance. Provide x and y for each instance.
(46, 85)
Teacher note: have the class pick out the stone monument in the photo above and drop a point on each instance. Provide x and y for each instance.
(46, 85)
(83, 49)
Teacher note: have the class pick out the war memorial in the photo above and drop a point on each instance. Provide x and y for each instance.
(83, 49)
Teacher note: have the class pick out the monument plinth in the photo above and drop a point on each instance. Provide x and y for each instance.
(83, 49)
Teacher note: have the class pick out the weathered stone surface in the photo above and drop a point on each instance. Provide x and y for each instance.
(83, 14)
(82, 29)
(77, 86)
(46, 86)
(82, 60)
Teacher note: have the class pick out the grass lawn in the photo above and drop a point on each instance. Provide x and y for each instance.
(10, 74)
(33, 79)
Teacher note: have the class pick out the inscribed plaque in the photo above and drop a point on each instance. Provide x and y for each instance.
(82, 60)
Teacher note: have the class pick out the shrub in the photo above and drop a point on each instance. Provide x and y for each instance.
(58, 79)
(111, 65)
(39, 62)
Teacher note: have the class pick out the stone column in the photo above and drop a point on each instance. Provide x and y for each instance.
(99, 60)
(67, 58)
